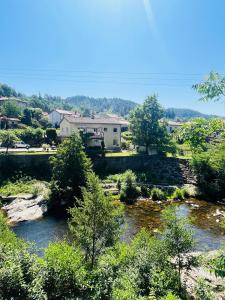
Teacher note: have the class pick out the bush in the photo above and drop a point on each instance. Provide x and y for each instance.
(157, 194)
(203, 291)
(179, 194)
(129, 190)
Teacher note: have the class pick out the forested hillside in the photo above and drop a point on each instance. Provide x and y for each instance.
(89, 105)
(114, 105)
(185, 114)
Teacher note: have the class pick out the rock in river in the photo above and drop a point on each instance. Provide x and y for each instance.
(24, 207)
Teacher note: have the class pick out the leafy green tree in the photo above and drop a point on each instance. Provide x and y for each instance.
(213, 88)
(51, 135)
(7, 138)
(27, 117)
(65, 275)
(209, 167)
(70, 169)
(11, 109)
(145, 126)
(178, 239)
(33, 137)
(199, 132)
(7, 91)
(203, 291)
(96, 222)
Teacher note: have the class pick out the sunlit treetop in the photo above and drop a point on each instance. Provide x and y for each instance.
(213, 88)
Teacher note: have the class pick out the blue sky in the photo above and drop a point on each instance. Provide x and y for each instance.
(113, 48)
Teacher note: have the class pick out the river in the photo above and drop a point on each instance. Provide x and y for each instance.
(204, 221)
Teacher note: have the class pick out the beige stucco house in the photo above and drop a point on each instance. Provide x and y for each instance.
(96, 130)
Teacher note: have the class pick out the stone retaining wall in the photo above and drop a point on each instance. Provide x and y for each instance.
(161, 170)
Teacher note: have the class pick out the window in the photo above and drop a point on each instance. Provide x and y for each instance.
(95, 129)
(105, 129)
(115, 143)
(114, 129)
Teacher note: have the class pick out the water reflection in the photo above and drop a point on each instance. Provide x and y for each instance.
(204, 219)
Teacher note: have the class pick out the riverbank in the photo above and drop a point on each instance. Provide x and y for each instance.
(24, 200)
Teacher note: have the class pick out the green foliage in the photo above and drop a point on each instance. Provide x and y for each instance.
(199, 132)
(145, 126)
(128, 187)
(70, 168)
(178, 239)
(203, 291)
(7, 91)
(213, 88)
(95, 223)
(31, 136)
(218, 265)
(7, 138)
(65, 275)
(11, 109)
(51, 135)
(157, 194)
(171, 296)
(21, 186)
(179, 194)
(95, 105)
(209, 167)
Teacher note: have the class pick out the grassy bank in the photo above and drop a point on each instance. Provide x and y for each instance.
(23, 186)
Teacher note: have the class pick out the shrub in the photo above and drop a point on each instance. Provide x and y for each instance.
(157, 194)
(129, 190)
(179, 194)
(203, 291)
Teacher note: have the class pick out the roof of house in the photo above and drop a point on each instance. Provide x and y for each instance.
(64, 112)
(85, 120)
(175, 123)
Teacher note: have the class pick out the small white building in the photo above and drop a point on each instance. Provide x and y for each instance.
(96, 130)
(56, 116)
(171, 126)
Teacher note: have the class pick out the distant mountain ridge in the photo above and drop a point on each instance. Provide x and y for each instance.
(89, 105)
(114, 105)
(186, 114)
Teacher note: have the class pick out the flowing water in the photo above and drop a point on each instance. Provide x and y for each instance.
(204, 218)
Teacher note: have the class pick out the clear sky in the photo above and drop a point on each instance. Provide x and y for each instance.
(113, 48)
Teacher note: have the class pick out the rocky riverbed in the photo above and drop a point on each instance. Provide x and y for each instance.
(24, 207)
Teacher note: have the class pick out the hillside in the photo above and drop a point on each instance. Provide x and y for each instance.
(96, 105)
(186, 114)
(88, 105)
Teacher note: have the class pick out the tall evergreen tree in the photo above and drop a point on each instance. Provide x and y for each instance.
(70, 168)
(145, 126)
(96, 223)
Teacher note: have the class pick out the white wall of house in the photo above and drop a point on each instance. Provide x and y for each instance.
(112, 132)
(55, 118)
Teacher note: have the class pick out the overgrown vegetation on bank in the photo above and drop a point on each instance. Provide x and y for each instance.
(24, 185)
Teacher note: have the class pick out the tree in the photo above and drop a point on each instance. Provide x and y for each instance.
(213, 88)
(7, 91)
(178, 239)
(7, 138)
(65, 276)
(96, 222)
(70, 168)
(51, 135)
(145, 126)
(11, 109)
(199, 132)
(27, 117)
(209, 167)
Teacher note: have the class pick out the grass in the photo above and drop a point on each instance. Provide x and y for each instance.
(23, 186)
(119, 154)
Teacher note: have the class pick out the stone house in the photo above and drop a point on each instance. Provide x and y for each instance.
(20, 103)
(95, 130)
(56, 116)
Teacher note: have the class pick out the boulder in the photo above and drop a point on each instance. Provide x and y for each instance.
(25, 207)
